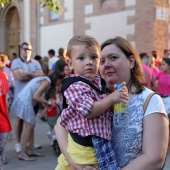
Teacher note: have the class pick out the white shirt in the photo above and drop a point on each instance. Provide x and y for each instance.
(52, 61)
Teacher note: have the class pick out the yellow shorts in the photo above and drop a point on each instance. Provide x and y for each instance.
(83, 155)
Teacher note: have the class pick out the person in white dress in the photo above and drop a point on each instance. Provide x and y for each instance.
(24, 107)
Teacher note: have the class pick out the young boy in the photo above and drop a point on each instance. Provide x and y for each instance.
(87, 113)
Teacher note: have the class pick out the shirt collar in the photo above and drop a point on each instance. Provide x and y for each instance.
(24, 60)
(96, 79)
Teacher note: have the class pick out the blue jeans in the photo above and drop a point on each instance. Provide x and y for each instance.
(3, 141)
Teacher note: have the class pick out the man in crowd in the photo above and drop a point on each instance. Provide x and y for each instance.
(52, 60)
(24, 69)
(59, 65)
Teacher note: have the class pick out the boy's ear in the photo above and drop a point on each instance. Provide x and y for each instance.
(70, 64)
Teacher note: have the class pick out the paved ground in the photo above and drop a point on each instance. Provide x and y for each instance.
(49, 161)
(167, 163)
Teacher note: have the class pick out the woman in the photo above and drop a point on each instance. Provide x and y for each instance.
(32, 93)
(143, 143)
(162, 84)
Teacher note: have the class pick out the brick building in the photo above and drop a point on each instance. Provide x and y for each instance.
(145, 23)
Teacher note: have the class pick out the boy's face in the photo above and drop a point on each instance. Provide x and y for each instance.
(85, 60)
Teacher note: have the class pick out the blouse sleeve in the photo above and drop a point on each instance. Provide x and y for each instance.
(155, 105)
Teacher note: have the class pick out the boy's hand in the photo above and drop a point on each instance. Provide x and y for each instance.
(123, 84)
(121, 95)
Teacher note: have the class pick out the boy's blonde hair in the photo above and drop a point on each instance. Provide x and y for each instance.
(85, 40)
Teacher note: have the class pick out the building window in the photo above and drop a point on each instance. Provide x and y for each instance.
(54, 16)
(162, 14)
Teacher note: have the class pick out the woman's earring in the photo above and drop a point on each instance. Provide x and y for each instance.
(132, 61)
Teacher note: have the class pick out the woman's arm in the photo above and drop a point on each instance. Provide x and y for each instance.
(38, 94)
(62, 139)
(155, 144)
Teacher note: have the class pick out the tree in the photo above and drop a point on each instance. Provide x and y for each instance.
(53, 5)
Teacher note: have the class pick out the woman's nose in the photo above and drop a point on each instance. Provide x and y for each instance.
(107, 63)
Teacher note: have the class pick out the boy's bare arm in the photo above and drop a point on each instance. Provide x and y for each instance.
(115, 97)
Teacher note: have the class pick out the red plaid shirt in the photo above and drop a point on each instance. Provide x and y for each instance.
(80, 98)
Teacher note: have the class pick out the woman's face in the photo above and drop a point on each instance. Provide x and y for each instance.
(115, 67)
(165, 66)
(66, 71)
(58, 85)
(152, 65)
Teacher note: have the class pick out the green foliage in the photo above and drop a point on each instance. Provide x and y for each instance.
(53, 5)
(4, 2)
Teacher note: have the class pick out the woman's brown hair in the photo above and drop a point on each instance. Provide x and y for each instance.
(167, 60)
(137, 77)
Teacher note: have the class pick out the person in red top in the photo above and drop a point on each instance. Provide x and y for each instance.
(5, 125)
(14, 56)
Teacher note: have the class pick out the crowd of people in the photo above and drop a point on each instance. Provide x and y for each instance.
(25, 84)
(76, 90)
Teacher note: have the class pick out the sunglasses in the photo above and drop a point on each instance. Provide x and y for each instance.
(27, 49)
